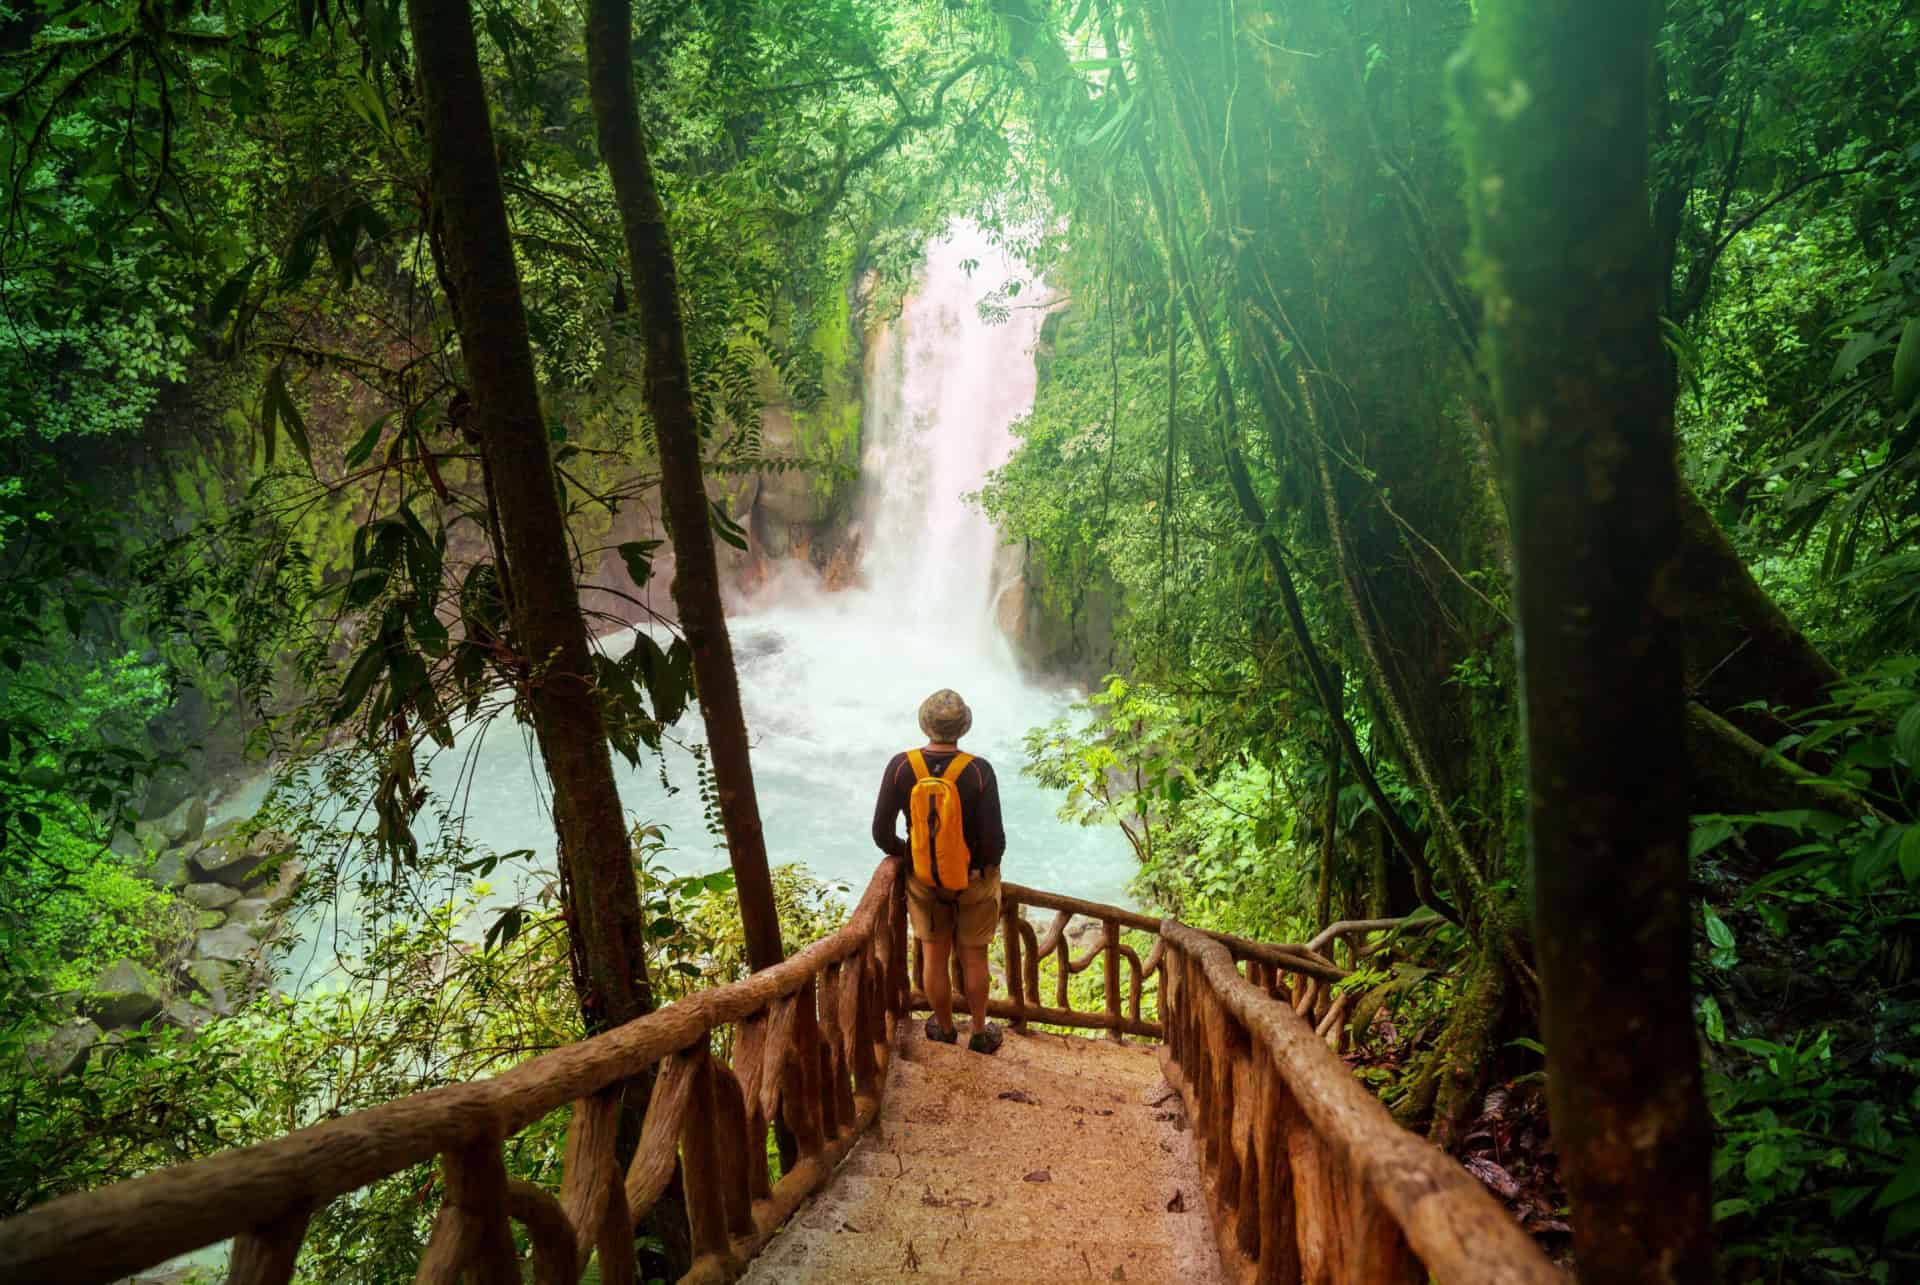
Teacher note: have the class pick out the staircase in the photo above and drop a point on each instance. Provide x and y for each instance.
(1236, 1124)
(1055, 1159)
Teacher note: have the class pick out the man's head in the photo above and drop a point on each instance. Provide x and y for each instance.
(944, 717)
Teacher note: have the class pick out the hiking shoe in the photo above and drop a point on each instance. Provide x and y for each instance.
(934, 1033)
(985, 1040)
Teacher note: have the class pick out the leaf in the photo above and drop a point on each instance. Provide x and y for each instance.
(1905, 1184)
(1764, 1161)
(638, 555)
(360, 678)
(1709, 832)
(506, 927)
(229, 293)
(726, 528)
(362, 449)
(1910, 854)
(1717, 931)
(1713, 1020)
(1906, 737)
(279, 400)
(1853, 352)
(1906, 365)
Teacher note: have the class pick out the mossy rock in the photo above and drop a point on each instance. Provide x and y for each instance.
(65, 1048)
(167, 870)
(126, 994)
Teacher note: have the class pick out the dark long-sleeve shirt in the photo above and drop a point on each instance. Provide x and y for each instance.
(979, 807)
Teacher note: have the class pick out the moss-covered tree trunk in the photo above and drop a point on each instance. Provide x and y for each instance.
(484, 285)
(676, 427)
(1554, 98)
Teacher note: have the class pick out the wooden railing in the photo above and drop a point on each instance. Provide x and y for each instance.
(810, 1049)
(1023, 949)
(1309, 1178)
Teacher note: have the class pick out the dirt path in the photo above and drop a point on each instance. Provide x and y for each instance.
(1059, 1159)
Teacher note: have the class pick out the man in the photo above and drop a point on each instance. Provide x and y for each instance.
(954, 903)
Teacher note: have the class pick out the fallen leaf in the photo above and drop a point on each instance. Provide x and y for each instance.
(1493, 1175)
(1019, 1095)
(1039, 1175)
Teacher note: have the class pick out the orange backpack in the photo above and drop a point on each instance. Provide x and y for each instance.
(934, 830)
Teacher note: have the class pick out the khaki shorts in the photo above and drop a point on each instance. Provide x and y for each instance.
(971, 920)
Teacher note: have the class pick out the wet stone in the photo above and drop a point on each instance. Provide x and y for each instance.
(249, 911)
(230, 942)
(210, 896)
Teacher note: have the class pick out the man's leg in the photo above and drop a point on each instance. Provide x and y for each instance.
(940, 981)
(973, 960)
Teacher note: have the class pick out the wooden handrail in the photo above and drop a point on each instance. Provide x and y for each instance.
(259, 1193)
(1023, 949)
(1310, 1177)
(1309, 1172)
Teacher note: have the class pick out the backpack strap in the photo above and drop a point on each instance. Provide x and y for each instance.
(918, 762)
(960, 762)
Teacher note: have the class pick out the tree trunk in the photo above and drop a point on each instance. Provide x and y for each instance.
(603, 907)
(676, 427)
(1740, 646)
(1555, 100)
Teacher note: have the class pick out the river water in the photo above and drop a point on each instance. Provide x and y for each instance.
(831, 681)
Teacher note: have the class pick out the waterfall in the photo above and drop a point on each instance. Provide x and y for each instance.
(945, 390)
(831, 681)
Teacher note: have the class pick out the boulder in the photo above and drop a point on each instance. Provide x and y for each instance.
(128, 848)
(185, 1015)
(210, 896)
(230, 942)
(167, 870)
(232, 861)
(171, 786)
(183, 824)
(205, 919)
(126, 994)
(251, 911)
(64, 1049)
(286, 882)
(210, 977)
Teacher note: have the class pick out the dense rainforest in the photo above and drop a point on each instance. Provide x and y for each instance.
(1474, 475)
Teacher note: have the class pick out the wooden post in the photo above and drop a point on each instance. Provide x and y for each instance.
(1010, 950)
(862, 993)
(1279, 1260)
(477, 1193)
(1030, 943)
(1110, 951)
(618, 1265)
(800, 1103)
(266, 1255)
(700, 1166)
(590, 1175)
(1063, 969)
(738, 1163)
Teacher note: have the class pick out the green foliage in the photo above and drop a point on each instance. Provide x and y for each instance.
(1813, 1091)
